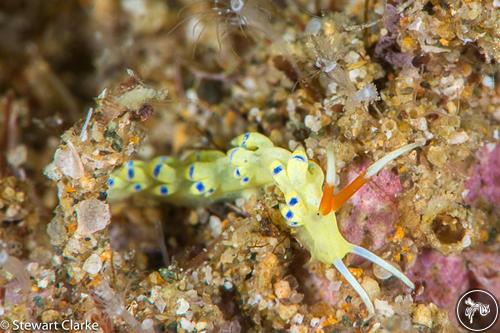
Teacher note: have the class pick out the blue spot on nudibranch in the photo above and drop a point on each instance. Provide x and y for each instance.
(293, 201)
(289, 215)
(137, 187)
(294, 224)
(211, 191)
(237, 172)
(299, 157)
(130, 173)
(277, 170)
(156, 170)
(111, 182)
(245, 139)
(231, 155)
(163, 190)
(200, 187)
(246, 179)
(191, 171)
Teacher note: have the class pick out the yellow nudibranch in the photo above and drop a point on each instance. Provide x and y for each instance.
(254, 162)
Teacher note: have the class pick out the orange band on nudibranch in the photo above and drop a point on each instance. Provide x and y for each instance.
(347, 192)
(325, 206)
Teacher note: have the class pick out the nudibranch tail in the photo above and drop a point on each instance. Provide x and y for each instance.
(341, 267)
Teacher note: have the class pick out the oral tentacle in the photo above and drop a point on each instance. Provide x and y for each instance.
(341, 267)
(362, 252)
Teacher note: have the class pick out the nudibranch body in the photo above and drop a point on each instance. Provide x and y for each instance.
(254, 162)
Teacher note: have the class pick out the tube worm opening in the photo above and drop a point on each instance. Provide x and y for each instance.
(448, 229)
(447, 225)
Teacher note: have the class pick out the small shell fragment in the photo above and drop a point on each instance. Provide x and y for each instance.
(381, 273)
(182, 307)
(93, 264)
(458, 138)
(68, 161)
(92, 215)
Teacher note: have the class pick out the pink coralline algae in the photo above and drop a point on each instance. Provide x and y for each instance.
(445, 278)
(484, 268)
(375, 209)
(484, 182)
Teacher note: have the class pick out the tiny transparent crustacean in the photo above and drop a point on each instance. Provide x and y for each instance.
(246, 16)
(310, 199)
